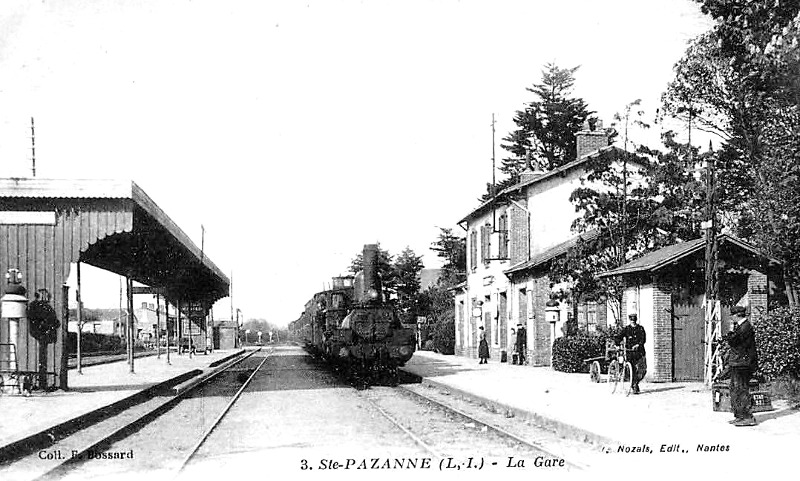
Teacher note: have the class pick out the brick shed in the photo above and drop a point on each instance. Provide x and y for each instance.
(666, 288)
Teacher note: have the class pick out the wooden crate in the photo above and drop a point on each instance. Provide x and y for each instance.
(721, 398)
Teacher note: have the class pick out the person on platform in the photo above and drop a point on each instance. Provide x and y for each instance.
(635, 338)
(742, 361)
(483, 347)
(522, 343)
(513, 344)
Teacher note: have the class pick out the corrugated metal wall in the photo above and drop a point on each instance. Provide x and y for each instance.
(43, 254)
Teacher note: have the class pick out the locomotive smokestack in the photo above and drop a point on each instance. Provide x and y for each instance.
(372, 281)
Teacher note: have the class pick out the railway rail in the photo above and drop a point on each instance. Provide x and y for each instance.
(69, 452)
(195, 437)
(219, 418)
(441, 448)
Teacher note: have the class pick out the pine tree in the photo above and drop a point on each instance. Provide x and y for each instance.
(547, 126)
(452, 249)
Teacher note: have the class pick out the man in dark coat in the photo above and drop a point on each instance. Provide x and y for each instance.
(635, 338)
(742, 361)
(522, 343)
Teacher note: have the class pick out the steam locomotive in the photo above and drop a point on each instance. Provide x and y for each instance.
(354, 327)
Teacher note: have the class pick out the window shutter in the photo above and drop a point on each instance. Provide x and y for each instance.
(485, 242)
(519, 235)
(503, 241)
(473, 250)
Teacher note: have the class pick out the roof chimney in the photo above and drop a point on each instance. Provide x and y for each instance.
(591, 138)
(529, 173)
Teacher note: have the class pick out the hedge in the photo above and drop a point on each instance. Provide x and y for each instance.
(778, 343)
(570, 351)
(91, 342)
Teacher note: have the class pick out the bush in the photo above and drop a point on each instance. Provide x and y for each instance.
(570, 351)
(444, 336)
(91, 342)
(778, 343)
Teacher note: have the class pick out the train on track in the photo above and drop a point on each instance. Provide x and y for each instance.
(354, 327)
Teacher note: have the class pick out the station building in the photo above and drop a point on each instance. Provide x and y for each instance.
(511, 241)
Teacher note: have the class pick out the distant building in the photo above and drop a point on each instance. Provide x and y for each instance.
(226, 334)
(113, 321)
(98, 321)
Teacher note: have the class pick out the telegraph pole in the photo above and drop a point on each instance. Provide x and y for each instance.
(33, 150)
(79, 301)
(712, 304)
(494, 182)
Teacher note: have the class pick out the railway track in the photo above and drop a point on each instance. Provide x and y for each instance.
(484, 435)
(70, 452)
(219, 418)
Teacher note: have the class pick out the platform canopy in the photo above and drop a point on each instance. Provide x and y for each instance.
(112, 225)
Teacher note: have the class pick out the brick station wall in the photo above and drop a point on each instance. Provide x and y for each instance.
(541, 347)
(757, 289)
(662, 331)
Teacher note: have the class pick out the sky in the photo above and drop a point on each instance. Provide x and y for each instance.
(295, 132)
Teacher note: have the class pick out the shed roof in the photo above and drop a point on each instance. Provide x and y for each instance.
(117, 227)
(665, 256)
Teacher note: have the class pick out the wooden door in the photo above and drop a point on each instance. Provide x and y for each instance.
(462, 326)
(503, 320)
(688, 339)
(473, 346)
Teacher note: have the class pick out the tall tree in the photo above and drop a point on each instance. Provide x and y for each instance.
(547, 126)
(632, 204)
(742, 80)
(407, 267)
(452, 249)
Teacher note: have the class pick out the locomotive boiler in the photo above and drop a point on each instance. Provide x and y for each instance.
(355, 327)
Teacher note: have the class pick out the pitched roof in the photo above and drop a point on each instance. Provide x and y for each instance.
(460, 285)
(546, 175)
(552, 253)
(665, 256)
(189, 271)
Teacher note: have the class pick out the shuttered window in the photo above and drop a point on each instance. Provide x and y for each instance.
(486, 232)
(473, 250)
(502, 229)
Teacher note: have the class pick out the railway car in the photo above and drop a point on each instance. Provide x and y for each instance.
(355, 327)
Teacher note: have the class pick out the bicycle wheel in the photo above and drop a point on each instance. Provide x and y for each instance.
(594, 372)
(627, 378)
(613, 375)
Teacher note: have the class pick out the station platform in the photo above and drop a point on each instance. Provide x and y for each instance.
(99, 386)
(672, 425)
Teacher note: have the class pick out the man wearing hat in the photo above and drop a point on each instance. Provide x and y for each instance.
(522, 343)
(742, 361)
(635, 338)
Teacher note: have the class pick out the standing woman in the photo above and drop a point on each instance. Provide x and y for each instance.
(483, 347)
